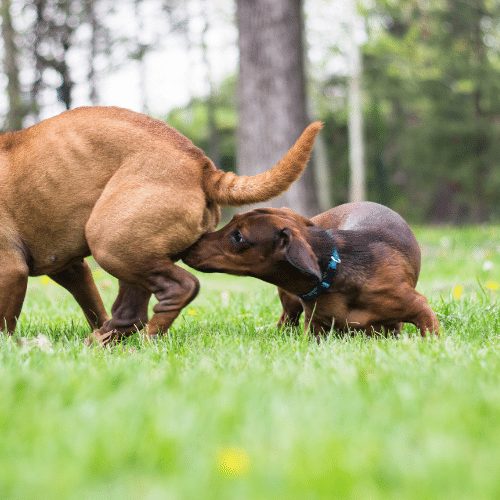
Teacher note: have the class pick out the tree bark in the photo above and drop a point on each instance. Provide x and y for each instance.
(93, 51)
(64, 91)
(213, 134)
(357, 183)
(481, 141)
(271, 92)
(142, 50)
(17, 109)
(37, 85)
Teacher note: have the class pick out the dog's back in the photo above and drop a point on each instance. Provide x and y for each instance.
(376, 219)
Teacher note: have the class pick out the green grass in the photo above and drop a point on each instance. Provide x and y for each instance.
(227, 407)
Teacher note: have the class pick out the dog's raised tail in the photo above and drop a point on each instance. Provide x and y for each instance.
(227, 188)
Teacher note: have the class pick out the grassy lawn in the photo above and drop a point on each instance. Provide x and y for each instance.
(227, 407)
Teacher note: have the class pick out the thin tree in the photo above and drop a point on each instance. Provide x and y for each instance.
(54, 26)
(93, 50)
(64, 33)
(140, 56)
(357, 184)
(213, 136)
(38, 63)
(271, 92)
(17, 109)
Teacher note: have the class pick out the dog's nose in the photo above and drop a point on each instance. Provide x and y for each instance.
(190, 257)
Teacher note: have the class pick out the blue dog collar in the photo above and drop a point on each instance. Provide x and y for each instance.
(326, 278)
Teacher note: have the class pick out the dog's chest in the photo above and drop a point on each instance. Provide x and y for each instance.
(330, 309)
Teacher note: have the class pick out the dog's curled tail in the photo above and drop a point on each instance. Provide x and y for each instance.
(227, 188)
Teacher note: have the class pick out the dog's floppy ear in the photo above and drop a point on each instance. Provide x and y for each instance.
(297, 251)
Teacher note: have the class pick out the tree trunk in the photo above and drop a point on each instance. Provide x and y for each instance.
(64, 90)
(142, 50)
(357, 184)
(17, 110)
(271, 92)
(38, 63)
(481, 139)
(93, 50)
(213, 134)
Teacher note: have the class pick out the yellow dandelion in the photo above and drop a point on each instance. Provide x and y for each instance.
(492, 285)
(233, 461)
(98, 274)
(45, 280)
(192, 311)
(457, 291)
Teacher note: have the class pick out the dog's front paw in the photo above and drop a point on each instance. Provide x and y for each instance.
(100, 338)
(288, 321)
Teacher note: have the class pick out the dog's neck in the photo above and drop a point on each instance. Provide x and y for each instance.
(354, 254)
(322, 242)
(294, 281)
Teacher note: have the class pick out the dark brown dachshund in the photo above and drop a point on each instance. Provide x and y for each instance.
(354, 266)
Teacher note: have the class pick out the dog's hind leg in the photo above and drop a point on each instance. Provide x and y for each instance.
(134, 229)
(13, 284)
(292, 309)
(78, 280)
(385, 328)
(426, 321)
(421, 315)
(141, 273)
(129, 314)
(174, 288)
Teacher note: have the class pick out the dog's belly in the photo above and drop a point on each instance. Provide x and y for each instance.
(332, 310)
(53, 236)
(49, 216)
(355, 319)
(329, 311)
(57, 252)
(52, 229)
(49, 242)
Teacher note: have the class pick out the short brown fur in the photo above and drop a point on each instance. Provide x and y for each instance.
(126, 188)
(374, 285)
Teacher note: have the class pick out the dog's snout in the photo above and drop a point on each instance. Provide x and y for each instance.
(190, 257)
(195, 254)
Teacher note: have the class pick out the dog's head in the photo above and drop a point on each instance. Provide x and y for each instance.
(270, 244)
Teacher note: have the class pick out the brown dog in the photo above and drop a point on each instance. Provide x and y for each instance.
(127, 189)
(354, 266)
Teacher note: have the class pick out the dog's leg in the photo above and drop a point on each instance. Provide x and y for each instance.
(138, 224)
(421, 314)
(13, 284)
(426, 321)
(401, 305)
(314, 327)
(174, 288)
(78, 280)
(392, 329)
(292, 309)
(129, 314)
(386, 329)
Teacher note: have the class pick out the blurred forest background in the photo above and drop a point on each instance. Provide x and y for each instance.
(409, 90)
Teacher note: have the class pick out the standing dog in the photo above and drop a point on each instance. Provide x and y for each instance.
(354, 266)
(127, 189)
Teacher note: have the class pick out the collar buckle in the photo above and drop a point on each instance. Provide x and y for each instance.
(326, 278)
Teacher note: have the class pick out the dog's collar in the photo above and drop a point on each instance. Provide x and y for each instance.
(326, 278)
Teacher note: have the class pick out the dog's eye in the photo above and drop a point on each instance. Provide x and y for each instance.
(237, 237)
